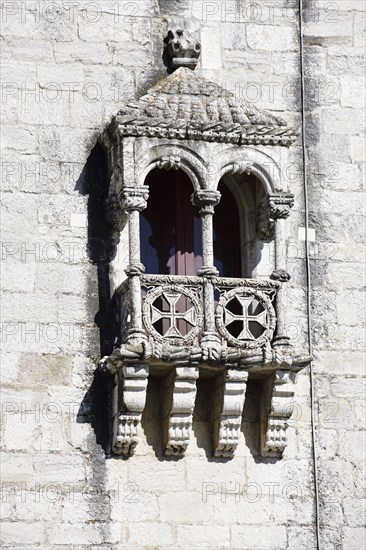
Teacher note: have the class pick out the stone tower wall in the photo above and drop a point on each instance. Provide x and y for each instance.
(67, 67)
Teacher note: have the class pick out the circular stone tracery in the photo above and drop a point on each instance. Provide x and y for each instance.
(245, 317)
(172, 313)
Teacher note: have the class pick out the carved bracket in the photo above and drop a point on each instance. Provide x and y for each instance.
(228, 409)
(133, 403)
(181, 386)
(276, 410)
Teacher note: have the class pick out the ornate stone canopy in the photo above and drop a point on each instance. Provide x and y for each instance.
(185, 105)
(185, 122)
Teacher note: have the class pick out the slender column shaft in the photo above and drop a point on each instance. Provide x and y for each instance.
(207, 239)
(135, 285)
(134, 237)
(206, 199)
(280, 261)
(133, 201)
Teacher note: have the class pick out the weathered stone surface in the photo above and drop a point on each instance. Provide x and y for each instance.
(258, 536)
(353, 538)
(270, 37)
(68, 69)
(45, 370)
(24, 534)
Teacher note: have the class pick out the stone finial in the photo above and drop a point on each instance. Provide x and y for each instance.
(182, 49)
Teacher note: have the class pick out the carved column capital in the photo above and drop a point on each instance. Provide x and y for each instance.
(280, 204)
(206, 200)
(273, 207)
(134, 198)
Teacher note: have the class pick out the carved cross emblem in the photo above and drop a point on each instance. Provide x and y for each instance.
(247, 303)
(173, 315)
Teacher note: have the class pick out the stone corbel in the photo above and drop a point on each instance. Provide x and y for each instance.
(181, 388)
(276, 409)
(134, 382)
(228, 408)
(273, 207)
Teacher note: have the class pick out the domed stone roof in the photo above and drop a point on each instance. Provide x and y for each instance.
(184, 95)
(185, 105)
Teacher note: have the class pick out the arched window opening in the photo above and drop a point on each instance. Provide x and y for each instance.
(236, 243)
(226, 234)
(170, 226)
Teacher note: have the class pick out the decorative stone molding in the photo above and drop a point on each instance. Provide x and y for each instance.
(273, 207)
(276, 410)
(182, 389)
(134, 379)
(228, 409)
(182, 49)
(241, 168)
(169, 163)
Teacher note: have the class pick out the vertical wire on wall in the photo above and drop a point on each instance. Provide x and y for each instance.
(308, 271)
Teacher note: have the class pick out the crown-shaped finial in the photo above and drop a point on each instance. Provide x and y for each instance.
(182, 49)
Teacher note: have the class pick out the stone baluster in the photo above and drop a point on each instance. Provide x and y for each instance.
(134, 384)
(133, 201)
(206, 200)
(276, 409)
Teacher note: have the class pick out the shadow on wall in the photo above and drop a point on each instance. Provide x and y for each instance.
(101, 250)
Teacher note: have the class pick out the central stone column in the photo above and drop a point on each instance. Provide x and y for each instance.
(206, 200)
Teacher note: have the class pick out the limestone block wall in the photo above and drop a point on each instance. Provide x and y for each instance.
(67, 67)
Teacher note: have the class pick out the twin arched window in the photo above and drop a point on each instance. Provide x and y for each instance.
(170, 226)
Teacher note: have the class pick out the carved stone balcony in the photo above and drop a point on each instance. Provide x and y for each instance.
(175, 315)
(179, 328)
(196, 324)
